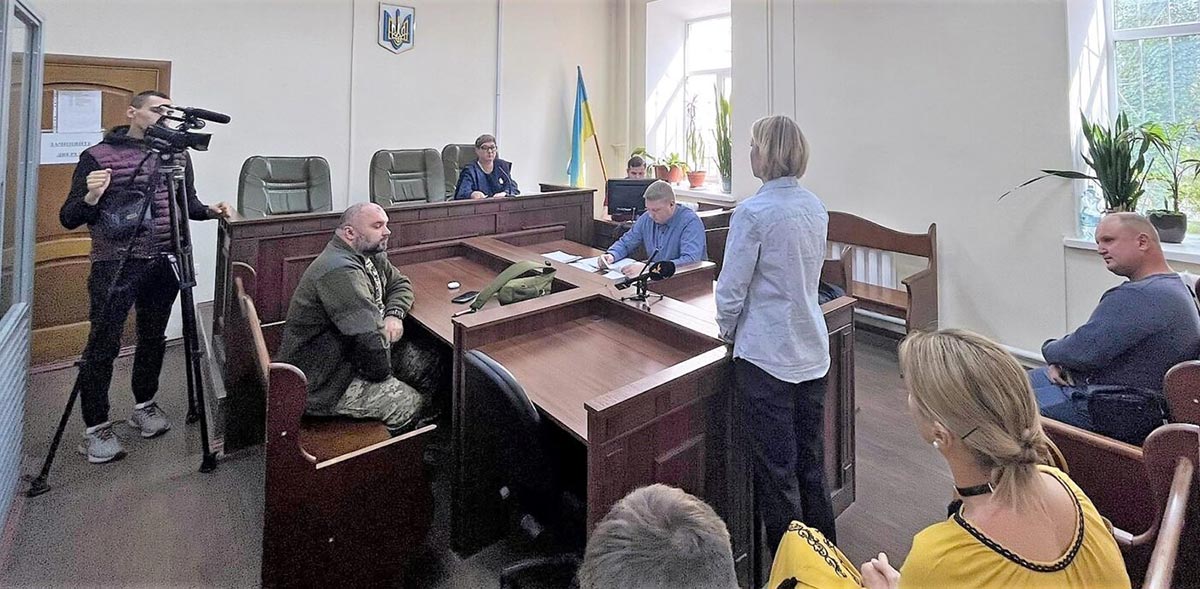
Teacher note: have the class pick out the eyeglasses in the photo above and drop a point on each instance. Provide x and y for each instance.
(486, 148)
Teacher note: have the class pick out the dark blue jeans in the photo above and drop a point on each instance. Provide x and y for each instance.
(149, 287)
(1068, 404)
(785, 424)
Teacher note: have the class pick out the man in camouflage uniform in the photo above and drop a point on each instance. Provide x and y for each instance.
(344, 328)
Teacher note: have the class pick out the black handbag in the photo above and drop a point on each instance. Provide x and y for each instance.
(122, 216)
(1125, 413)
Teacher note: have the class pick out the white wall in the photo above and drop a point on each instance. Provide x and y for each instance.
(925, 111)
(305, 77)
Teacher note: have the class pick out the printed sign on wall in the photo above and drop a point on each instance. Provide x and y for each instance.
(397, 24)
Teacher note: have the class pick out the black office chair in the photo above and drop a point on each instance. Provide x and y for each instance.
(529, 455)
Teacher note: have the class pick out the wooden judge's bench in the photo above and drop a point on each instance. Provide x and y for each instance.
(648, 394)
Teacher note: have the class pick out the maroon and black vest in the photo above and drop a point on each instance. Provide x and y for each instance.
(135, 176)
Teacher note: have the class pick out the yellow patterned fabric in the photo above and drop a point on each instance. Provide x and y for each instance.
(806, 559)
(954, 554)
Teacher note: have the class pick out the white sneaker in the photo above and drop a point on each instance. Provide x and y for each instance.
(100, 444)
(148, 418)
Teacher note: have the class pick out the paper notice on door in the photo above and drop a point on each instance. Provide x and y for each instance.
(77, 111)
(64, 148)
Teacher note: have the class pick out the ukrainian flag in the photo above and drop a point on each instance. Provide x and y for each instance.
(581, 131)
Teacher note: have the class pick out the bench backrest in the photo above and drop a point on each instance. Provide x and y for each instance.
(714, 242)
(850, 229)
(1111, 473)
(1171, 455)
(1181, 386)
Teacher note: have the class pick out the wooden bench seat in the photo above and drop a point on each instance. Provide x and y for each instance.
(1131, 486)
(324, 439)
(915, 297)
(346, 504)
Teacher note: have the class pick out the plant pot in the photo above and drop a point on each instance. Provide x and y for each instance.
(726, 185)
(696, 179)
(673, 175)
(660, 172)
(1171, 226)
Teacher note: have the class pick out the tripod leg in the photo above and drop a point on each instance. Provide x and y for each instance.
(39, 485)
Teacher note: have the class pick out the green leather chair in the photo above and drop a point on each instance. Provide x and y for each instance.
(455, 157)
(279, 185)
(406, 177)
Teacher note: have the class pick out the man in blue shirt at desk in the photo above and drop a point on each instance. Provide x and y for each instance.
(666, 230)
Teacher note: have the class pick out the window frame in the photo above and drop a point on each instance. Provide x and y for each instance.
(1113, 36)
(724, 78)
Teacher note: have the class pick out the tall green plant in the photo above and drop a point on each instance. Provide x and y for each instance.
(1117, 157)
(1170, 139)
(695, 143)
(721, 134)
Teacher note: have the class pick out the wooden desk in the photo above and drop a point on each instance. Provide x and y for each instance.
(839, 394)
(278, 249)
(644, 395)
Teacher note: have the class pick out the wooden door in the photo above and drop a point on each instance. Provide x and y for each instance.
(61, 267)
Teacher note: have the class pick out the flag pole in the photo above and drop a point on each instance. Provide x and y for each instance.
(600, 155)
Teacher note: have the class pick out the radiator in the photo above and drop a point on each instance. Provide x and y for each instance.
(870, 266)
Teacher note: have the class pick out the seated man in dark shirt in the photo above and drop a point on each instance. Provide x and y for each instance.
(344, 325)
(488, 175)
(1140, 329)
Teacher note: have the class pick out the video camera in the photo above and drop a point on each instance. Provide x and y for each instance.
(167, 138)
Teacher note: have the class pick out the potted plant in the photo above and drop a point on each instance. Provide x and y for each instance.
(1117, 157)
(695, 148)
(1170, 141)
(724, 142)
(696, 173)
(670, 169)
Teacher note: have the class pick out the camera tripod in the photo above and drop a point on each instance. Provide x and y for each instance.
(183, 266)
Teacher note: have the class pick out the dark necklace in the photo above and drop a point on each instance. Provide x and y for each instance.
(983, 489)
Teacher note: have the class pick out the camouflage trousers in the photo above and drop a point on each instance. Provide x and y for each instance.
(391, 401)
(401, 403)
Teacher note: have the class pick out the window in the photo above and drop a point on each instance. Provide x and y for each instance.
(1156, 78)
(708, 65)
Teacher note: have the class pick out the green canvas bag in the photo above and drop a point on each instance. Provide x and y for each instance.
(519, 282)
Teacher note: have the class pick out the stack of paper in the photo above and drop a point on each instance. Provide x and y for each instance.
(559, 256)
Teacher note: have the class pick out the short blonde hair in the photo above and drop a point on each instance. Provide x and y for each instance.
(979, 393)
(659, 190)
(781, 145)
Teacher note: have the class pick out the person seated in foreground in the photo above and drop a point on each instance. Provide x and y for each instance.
(1140, 329)
(488, 175)
(635, 168)
(659, 537)
(1015, 522)
(344, 322)
(666, 231)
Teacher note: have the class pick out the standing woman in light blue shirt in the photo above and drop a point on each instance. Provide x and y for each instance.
(767, 308)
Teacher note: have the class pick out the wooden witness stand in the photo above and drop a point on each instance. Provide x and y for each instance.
(648, 395)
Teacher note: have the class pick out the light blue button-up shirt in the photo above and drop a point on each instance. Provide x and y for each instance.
(767, 291)
(680, 239)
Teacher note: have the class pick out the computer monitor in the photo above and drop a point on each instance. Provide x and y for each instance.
(626, 197)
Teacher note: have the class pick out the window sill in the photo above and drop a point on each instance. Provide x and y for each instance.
(709, 192)
(1187, 252)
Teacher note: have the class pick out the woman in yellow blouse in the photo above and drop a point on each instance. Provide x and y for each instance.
(1017, 523)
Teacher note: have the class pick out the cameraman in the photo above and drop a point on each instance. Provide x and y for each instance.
(109, 190)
